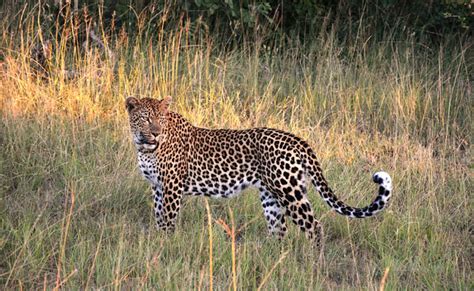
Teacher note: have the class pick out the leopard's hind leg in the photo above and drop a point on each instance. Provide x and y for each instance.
(291, 196)
(298, 208)
(274, 212)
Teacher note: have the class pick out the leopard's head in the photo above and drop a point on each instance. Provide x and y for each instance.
(147, 121)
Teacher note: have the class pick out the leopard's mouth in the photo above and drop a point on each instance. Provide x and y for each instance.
(146, 144)
(149, 146)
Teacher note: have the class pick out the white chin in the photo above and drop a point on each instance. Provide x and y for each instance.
(149, 146)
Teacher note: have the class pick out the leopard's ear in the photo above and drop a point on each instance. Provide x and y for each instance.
(131, 103)
(165, 103)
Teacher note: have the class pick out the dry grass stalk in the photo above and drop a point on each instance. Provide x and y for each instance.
(384, 279)
(64, 234)
(209, 225)
(267, 276)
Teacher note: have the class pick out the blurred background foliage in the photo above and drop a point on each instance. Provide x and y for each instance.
(242, 20)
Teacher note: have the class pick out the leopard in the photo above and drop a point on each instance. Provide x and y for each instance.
(179, 159)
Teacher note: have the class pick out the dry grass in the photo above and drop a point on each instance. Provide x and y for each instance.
(74, 212)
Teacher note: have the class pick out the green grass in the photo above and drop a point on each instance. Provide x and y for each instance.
(75, 212)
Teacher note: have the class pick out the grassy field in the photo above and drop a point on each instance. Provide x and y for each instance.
(75, 213)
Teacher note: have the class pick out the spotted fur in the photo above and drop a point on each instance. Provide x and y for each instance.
(179, 159)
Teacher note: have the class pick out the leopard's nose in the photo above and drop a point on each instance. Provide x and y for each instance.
(154, 130)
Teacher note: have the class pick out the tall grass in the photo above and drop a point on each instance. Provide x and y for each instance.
(75, 213)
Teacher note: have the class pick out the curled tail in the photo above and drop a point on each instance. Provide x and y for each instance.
(383, 179)
(379, 203)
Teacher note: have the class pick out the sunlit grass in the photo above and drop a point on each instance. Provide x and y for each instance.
(393, 106)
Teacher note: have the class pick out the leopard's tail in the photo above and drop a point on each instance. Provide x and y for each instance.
(383, 179)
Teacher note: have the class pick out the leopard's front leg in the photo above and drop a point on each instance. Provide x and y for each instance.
(167, 203)
(158, 206)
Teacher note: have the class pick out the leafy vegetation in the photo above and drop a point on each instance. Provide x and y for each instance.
(75, 213)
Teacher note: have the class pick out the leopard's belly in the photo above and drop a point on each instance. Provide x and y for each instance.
(221, 179)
